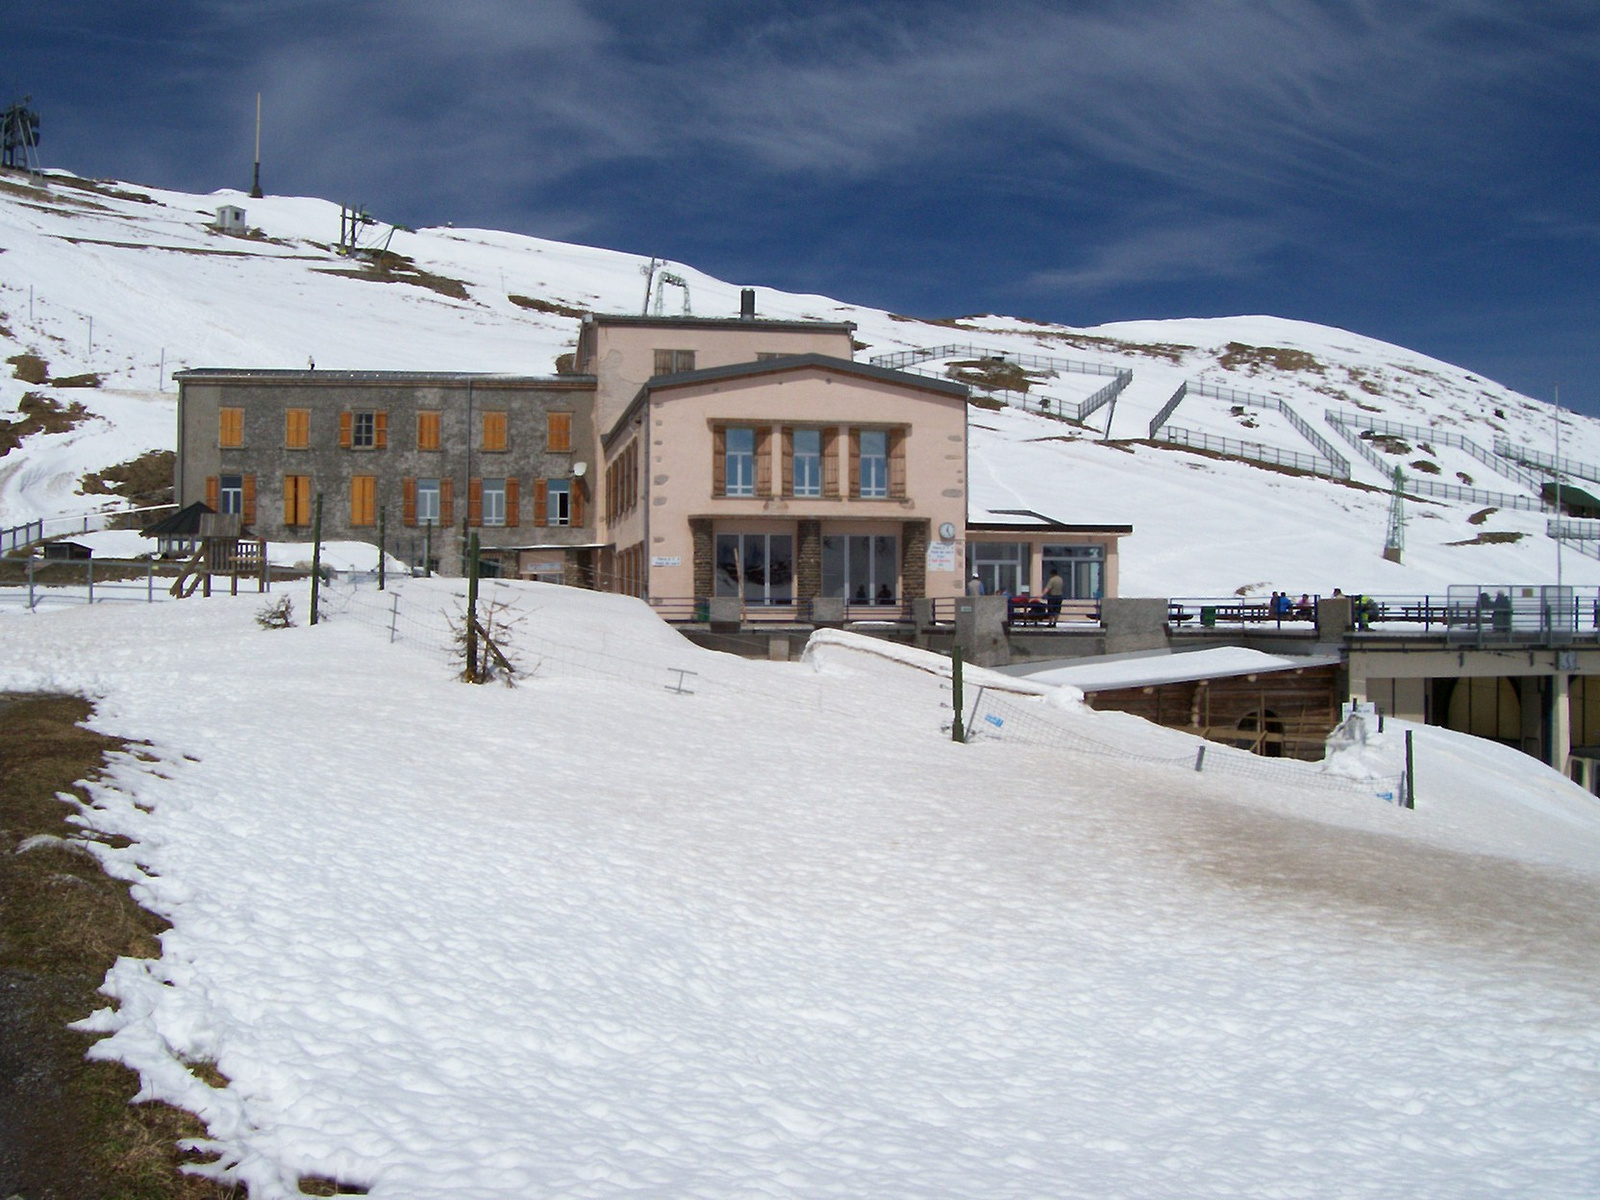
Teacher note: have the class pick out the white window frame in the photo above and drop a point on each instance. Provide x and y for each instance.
(493, 498)
(558, 502)
(739, 465)
(427, 501)
(874, 467)
(808, 479)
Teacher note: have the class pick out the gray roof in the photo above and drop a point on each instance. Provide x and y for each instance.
(203, 374)
(779, 365)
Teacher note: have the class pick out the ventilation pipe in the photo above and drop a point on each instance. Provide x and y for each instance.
(747, 304)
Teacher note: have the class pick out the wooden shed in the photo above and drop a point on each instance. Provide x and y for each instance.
(1273, 705)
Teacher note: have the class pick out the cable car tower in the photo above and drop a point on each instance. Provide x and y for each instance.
(677, 281)
(19, 137)
(1394, 545)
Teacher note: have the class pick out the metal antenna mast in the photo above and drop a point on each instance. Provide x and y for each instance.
(649, 274)
(255, 185)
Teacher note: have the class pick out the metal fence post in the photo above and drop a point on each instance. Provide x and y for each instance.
(394, 618)
(316, 556)
(150, 581)
(1411, 774)
(957, 734)
(88, 574)
(32, 603)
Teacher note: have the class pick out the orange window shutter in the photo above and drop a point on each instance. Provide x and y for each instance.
(296, 428)
(427, 431)
(408, 501)
(513, 517)
(719, 461)
(248, 508)
(764, 462)
(541, 502)
(213, 490)
(475, 501)
(897, 462)
(288, 500)
(380, 429)
(788, 460)
(447, 501)
(830, 462)
(855, 464)
(344, 431)
(494, 431)
(558, 435)
(232, 427)
(577, 501)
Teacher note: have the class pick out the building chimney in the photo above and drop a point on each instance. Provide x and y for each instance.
(747, 304)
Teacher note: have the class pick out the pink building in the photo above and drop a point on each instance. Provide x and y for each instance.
(752, 463)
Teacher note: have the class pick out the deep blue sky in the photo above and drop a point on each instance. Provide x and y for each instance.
(1424, 171)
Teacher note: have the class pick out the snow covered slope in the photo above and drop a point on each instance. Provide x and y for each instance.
(774, 934)
(128, 284)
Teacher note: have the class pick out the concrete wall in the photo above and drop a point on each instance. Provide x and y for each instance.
(620, 351)
(680, 465)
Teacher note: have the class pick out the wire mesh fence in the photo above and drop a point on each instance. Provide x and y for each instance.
(1004, 718)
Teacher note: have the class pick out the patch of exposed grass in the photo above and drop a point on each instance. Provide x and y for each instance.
(990, 373)
(1237, 356)
(67, 1123)
(88, 380)
(988, 402)
(385, 266)
(1482, 515)
(29, 368)
(144, 481)
(39, 414)
(1364, 381)
(1425, 467)
(1492, 537)
(1386, 442)
(547, 306)
(101, 187)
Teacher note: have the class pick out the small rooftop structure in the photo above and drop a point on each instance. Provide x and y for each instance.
(231, 219)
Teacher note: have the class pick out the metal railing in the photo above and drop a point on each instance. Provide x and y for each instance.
(908, 360)
(16, 537)
(1535, 458)
(1167, 409)
(88, 581)
(1446, 437)
(1253, 451)
(1344, 424)
(1276, 404)
(902, 359)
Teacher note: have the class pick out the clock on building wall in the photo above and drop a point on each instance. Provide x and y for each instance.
(947, 531)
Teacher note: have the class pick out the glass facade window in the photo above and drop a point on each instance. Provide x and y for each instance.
(427, 501)
(740, 461)
(808, 462)
(1002, 567)
(364, 430)
(874, 463)
(494, 501)
(1082, 570)
(558, 502)
(861, 568)
(757, 567)
(230, 494)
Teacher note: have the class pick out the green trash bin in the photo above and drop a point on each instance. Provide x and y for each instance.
(1208, 615)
